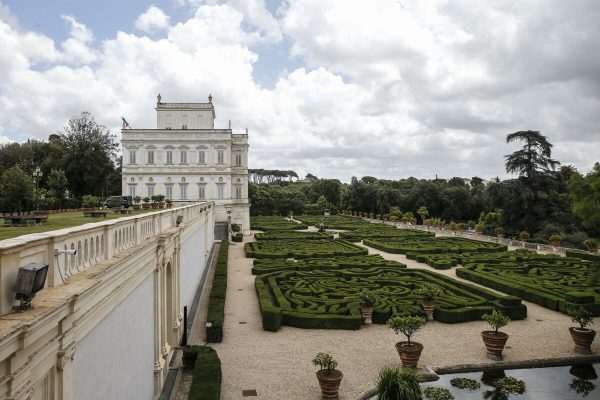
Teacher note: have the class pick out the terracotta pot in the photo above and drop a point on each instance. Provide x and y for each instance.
(330, 384)
(494, 342)
(429, 306)
(555, 243)
(409, 355)
(367, 314)
(500, 235)
(583, 339)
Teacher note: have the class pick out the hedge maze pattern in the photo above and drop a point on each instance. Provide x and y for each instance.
(327, 295)
(438, 252)
(335, 222)
(555, 282)
(273, 223)
(292, 235)
(302, 249)
(383, 232)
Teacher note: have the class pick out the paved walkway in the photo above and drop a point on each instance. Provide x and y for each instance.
(278, 364)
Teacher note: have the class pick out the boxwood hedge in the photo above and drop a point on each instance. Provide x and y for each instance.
(207, 376)
(292, 235)
(382, 232)
(216, 301)
(301, 249)
(555, 282)
(328, 297)
(335, 222)
(274, 224)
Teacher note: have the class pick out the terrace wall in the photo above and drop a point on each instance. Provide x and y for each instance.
(106, 323)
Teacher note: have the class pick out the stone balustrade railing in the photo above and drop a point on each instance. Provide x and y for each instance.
(95, 242)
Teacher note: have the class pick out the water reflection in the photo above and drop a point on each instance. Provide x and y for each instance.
(582, 383)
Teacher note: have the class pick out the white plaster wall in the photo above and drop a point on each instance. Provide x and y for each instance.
(116, 359)
(192, 260)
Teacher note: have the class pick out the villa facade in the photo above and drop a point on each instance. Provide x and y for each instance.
(186, 159)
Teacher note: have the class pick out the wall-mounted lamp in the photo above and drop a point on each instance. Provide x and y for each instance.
(179, 220)
(30, 280)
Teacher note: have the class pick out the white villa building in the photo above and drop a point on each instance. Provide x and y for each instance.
(186, 159)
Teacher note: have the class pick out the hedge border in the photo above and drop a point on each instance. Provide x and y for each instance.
(216, 301)
(207, 375)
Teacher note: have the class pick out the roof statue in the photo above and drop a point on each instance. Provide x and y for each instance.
(158, 99)
(210, 98)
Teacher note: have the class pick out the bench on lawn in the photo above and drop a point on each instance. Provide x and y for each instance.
(123, 211)
(25, 220)
(95, 214)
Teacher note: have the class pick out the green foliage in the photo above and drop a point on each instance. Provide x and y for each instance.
(300, 249)
(16, 189)
(524, 235)
(465, 383)
(216, 301)
(407, 325)
(292, 235)
(368, 299)
(555, 238)
(207, 376)
(584, 192)
(591, 244)
(534, 156)
(137, 199)
(43, 199)
(548, 280)
(395, 383)
(429, 291)
(510, 385)
(325, 361)
(238, 237)
(496, 320)
(581, 316)
(324, 293)
(499, 230)
(90, 201)
(273, 224)
(437, 393)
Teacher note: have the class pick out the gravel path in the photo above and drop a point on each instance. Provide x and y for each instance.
(278, 364)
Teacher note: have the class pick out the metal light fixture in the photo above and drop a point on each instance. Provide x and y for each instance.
(30, 280)
(179, 220)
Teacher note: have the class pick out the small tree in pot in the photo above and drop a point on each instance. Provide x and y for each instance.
(524, 236)
(582, 336)
(495, 340)
(329, 377)
(367, 303)
(408, 325)
(500, 232)
(555, 239)
(429, 293)
(146, 204)
(591, 245)
(479, 228)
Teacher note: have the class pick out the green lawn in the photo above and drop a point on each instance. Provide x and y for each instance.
(59, 221)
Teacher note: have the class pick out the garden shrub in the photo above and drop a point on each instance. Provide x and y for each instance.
(329, 298)
(554, 282)
(301, 249)
(216, 301)
(292, 235)
(207, 376)
(274, 224)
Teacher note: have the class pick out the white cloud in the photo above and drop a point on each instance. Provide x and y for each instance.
(77, 48)
(388, 89)
(153, 20)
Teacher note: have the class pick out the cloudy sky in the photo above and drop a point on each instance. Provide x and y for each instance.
(387, 88)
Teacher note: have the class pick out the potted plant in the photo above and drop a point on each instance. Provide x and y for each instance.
(329, 377)
(409, 352)
(136, 201)
(160, 199)
(154, 201)
(169, 203)
(500, 232)
(495, 340)
(555, 239)
(429, 293)
(479, 228)
(591, 245)
(582, 336)
(395, 383)
(367, 302)
(146, 204)
(524, 236)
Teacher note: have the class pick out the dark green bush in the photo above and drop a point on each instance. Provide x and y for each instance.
(206, 378)
(238, 237)
(216, 301)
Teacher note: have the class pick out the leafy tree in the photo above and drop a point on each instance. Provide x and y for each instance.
(533, 157)
(43, 199)
(423, 213)
(57, 182)
(89, 155)
(585, 194)
(16, 188)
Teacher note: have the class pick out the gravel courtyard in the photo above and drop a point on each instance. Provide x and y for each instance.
(278, 364)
